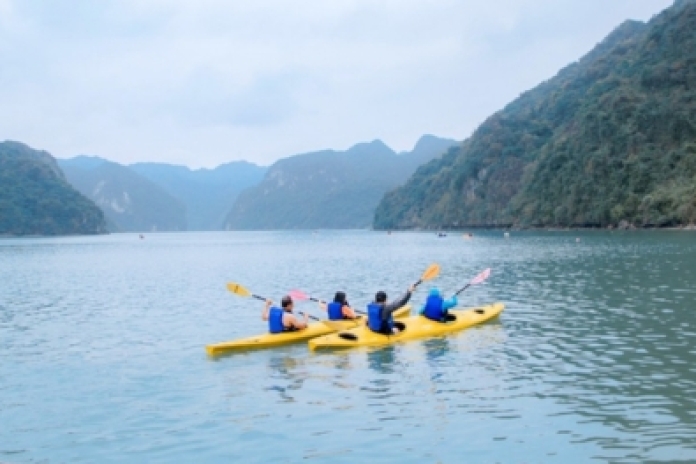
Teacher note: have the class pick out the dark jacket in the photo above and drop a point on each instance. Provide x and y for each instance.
(388, 309)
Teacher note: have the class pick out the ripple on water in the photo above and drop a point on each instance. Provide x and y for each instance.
(102, 356)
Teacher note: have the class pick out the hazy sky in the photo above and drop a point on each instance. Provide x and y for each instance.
(202, 82)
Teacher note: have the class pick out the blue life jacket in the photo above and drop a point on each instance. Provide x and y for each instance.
(335, 311)
(375, 322)
(433, 308)
(275, 320)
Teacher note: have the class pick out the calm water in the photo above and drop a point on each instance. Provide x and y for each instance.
(102, 351)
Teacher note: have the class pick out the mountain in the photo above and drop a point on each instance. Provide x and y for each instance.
(610, 140)
(208, 194)
(129, 201)
(329, 189)
(36, 199)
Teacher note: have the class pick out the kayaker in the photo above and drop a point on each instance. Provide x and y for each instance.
(282, 319)
(379, 313)
(435, 307)
(339, 308)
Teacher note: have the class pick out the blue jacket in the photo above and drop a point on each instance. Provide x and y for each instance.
(335, 311)
(275, 320)
(379, 315)
(436, 307)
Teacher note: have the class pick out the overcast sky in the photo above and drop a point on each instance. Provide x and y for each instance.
(203, 82)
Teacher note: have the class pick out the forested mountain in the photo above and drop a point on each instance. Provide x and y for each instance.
(329, 189)
(35, 198)
(610, 140)
(129, 201)
(208, 194)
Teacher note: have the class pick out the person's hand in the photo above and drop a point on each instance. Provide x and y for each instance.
(412, 288)
(269, 302)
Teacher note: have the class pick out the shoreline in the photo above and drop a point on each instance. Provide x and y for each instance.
(687, 228)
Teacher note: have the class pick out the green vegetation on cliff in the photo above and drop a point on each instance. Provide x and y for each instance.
(611, 139)
(35, 198)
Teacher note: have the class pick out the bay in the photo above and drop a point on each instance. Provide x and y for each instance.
(102, 350)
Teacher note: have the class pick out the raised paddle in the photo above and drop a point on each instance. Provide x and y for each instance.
(476, 280)
(429, 274)
(240, 290)
(300, 295)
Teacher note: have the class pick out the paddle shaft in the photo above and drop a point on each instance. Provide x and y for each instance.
(264, 299)
(477, 280)
(462, 289)
(321, 301)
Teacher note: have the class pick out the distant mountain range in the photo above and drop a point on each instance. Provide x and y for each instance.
(129, 201)
(208, 194)
(161, 197)
(329, 189)
(610, 141)
(36, 199)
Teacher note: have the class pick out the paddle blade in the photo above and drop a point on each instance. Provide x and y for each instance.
(238, 289)
(481, 277)
(298, 295)
(432, 272)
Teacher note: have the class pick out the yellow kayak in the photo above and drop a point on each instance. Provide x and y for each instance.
(314, 329)
(415, 327)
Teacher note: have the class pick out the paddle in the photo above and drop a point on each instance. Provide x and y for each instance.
(240, 290)
(476, 280)
(429, 274)
(300, 295)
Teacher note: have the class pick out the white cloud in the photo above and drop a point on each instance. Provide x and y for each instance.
(204, 82)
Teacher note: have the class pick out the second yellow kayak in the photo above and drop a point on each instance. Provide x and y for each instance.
(415, 327)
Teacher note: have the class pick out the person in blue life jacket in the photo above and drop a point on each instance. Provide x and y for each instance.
(339, 308)
(435, 307)
(380, 316)
(282, 319)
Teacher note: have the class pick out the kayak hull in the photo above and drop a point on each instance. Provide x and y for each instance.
(269, 340)
(416, 327)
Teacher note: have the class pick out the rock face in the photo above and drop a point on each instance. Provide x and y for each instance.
(610, 138)
(36, 199)
(129, 201)
(329, 189)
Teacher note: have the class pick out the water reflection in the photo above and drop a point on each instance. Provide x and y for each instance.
(436, 348)
(286, 375)
(382, 359)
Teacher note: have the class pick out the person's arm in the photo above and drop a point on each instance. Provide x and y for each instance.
(348, 312)
(391, 307)
(451, 303)
(323, 306)
(264, 314)
(297, 323)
